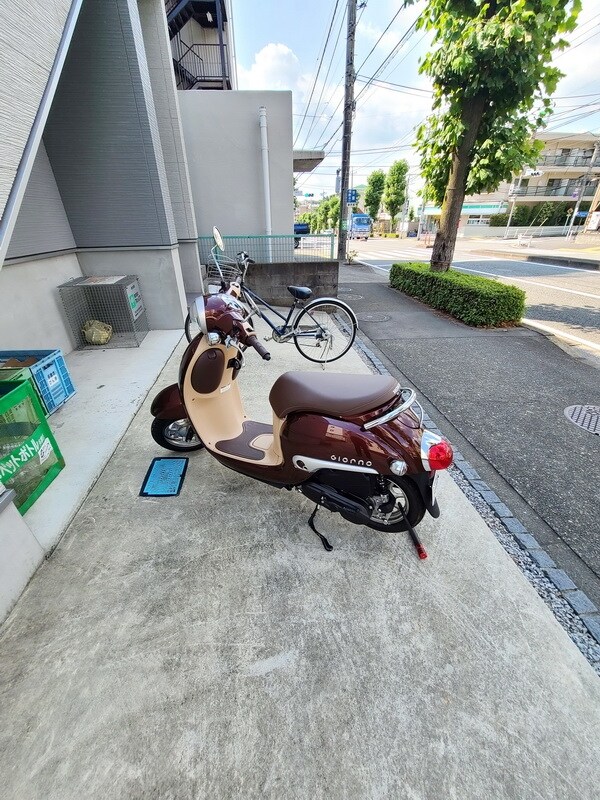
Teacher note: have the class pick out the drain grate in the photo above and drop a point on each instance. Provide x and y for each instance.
(586, 417)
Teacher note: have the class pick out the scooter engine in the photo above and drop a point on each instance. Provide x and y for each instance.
(346, 492)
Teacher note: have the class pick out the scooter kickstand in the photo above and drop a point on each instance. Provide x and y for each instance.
(421, 552)
(324, 541)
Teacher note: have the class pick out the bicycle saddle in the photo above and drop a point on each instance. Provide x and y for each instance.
(300, 292)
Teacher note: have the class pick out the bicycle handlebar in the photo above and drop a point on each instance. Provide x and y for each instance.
(245, 258)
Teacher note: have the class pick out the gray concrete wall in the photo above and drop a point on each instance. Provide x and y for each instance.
(158, 55)
(161, 282)
(30, 32)
(222, 139)
(102, 134)
(270, 281)
(32, 316)
(42, 225)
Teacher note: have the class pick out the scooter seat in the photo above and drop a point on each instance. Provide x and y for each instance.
(300, 292)
(335, 394)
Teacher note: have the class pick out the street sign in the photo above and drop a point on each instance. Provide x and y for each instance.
(581, 214)
(352, 196)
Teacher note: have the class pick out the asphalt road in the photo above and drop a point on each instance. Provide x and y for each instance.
(560, 300)
(500, 395)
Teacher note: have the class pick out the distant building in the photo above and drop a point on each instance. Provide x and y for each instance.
(565, 164)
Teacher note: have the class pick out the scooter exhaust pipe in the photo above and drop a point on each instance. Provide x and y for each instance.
(332, 500)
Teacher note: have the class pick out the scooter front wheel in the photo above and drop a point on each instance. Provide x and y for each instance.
(404, 497)
(175, 434)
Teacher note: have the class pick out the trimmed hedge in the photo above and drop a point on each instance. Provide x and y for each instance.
(476, 301)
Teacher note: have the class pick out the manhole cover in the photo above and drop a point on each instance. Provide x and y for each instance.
(373, 318)
(586, 417)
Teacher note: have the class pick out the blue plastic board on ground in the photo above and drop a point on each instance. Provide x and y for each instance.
(164, 478)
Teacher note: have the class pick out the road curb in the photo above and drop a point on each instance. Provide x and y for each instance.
(553, 333)
(565, 589)
(582, 263)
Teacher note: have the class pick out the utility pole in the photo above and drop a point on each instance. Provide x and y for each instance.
(347, 137)
(581, 191)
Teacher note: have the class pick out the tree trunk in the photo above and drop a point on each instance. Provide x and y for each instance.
(445, 240)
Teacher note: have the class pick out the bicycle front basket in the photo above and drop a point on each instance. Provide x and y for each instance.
(222, 268)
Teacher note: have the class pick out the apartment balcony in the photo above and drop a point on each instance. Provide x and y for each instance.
(569, 161)
(563, 192)
(201, 66)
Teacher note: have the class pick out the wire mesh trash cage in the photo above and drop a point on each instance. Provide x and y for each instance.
(105, 302)
(29, 455)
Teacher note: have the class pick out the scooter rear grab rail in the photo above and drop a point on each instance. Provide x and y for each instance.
(395, 412)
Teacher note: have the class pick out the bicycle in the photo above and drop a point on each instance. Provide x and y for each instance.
(323, 329)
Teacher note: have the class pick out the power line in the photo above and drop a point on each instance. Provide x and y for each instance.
(408, 33)
(339, 83)
(380, 38)
(335, 47)
(319, 67)
(394, 86)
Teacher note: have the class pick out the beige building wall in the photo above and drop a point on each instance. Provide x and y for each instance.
(222, 139)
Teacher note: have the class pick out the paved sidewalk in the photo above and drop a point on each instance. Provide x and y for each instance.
(503, 395)
(206, 646)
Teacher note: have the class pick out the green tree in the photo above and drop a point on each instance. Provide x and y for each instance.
(334, 212)
(395, 189)
(492, 78)
(374, 192)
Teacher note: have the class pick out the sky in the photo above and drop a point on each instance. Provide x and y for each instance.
(279, 44)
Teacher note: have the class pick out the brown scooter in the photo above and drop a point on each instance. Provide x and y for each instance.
(351, 443)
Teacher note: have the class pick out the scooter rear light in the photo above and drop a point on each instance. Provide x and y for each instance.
(436, 453)
(440, 456)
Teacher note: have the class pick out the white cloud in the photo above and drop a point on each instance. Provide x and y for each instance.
(275, 67)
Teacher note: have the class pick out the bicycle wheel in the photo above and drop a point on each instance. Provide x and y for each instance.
(325, 330)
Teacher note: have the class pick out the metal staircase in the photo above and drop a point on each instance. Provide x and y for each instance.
(198, 66)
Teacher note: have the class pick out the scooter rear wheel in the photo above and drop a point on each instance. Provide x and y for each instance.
(407, 495)
(175, 434)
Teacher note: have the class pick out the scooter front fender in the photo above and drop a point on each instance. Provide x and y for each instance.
(168, 404)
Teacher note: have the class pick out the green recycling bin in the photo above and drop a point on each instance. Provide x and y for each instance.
(29, 455)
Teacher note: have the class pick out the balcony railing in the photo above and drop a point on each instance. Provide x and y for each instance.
(553, 191)
(199, 63)
(568, 161)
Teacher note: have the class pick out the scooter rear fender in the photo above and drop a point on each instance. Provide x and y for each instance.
(344, 442)
(168, 404)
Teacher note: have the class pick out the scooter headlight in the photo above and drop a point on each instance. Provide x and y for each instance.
(198, 314)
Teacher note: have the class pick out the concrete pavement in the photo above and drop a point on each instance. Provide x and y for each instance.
(206, 646)
(503, 394)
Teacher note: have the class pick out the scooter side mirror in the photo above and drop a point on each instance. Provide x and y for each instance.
(218, 239)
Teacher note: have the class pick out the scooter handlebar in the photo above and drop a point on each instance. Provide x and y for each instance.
(262, 351)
